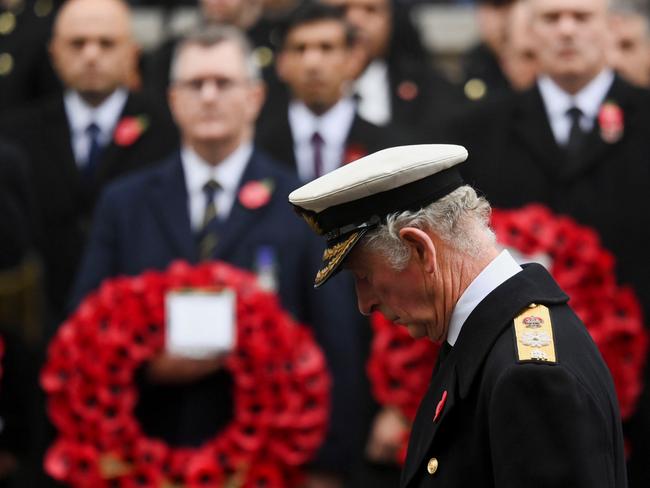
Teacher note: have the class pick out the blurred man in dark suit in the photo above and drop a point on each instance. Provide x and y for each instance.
(196, 206)
(19, 323)
(629, 52)
(25, 70)
(317, 128)
(577, 142)
(397, 83)
(97, 130)
(483, 77)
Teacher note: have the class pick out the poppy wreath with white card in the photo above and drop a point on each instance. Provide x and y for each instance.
(281, 389)
(400, 367)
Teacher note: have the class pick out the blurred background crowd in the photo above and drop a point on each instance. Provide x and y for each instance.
(114, 121)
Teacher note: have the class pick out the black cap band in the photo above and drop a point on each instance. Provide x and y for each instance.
(371, 210)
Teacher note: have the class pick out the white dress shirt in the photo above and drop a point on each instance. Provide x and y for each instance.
(333, 126)
(373, 88)
(589, 100)
(227, 173)
(81, 115)
(494, 274)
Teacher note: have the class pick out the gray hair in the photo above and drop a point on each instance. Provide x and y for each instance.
(211, 35)
(460, 219)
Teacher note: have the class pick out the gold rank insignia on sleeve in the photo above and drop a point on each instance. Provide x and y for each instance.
(534, 335)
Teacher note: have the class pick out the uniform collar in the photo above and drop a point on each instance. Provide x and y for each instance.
(494, 314)
(496, 272)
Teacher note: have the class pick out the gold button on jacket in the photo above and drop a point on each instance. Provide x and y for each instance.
(432, 465)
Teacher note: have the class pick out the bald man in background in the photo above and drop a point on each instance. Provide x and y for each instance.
(94, 132)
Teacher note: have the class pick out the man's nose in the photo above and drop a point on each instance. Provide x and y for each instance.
(209, 90)
(366, 300)
(567, 24)
(312, 56)
(91, 50)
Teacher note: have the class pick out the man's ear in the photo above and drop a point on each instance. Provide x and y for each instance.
(422, 247)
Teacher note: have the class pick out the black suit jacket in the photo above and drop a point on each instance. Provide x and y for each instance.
(17, 225)
(29, 75)
(513, 424)
(514, 160)
(64, 201)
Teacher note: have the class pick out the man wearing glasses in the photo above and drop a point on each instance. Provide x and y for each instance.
(217, 198)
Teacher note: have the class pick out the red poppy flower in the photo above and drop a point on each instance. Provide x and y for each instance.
(129, 129)
(256, 194)
(281, 387)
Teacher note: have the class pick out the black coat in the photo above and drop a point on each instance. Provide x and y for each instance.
(509, 423)
(26, 73)
(64, 202)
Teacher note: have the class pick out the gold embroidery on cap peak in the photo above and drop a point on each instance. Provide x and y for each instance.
(534, 335)
(311, 221)
(333, 255)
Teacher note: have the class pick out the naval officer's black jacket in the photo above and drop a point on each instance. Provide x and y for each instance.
(518, 424)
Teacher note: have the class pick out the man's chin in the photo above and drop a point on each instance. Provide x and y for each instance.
(416, 331)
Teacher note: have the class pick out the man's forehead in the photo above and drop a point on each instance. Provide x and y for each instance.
(196, 57)
(568, 5)
(360, 3)
(93, 17)
(317, 31)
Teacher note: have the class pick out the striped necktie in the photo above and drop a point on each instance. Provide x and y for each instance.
(208, 235)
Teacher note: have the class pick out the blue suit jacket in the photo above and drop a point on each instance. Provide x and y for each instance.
(142, 222)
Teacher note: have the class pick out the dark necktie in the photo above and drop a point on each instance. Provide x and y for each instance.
(317, 147)
(94, 151)
(208, 235)
(576, 135)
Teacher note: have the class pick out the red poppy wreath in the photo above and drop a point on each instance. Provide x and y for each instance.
(280, 393)
(400, 367)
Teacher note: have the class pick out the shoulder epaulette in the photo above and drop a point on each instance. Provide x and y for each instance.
(534, 335)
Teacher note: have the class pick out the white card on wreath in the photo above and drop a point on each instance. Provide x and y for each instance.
(200, 324)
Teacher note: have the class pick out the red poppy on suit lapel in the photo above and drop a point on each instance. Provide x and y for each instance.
(129, 129)
(407, 90)
(353, 152)
(440, 406)
(611, 122)
(256, 194)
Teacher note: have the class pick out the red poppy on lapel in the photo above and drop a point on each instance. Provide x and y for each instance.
(440, 406)
(129, 129)
(256, 194)
(353, 152)
(610, 120)
(407, 90)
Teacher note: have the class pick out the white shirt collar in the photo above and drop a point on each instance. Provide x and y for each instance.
(494, 274)
(373, 88)
(227, 173)
(333, 126)
(589, 100)
(106, 115)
